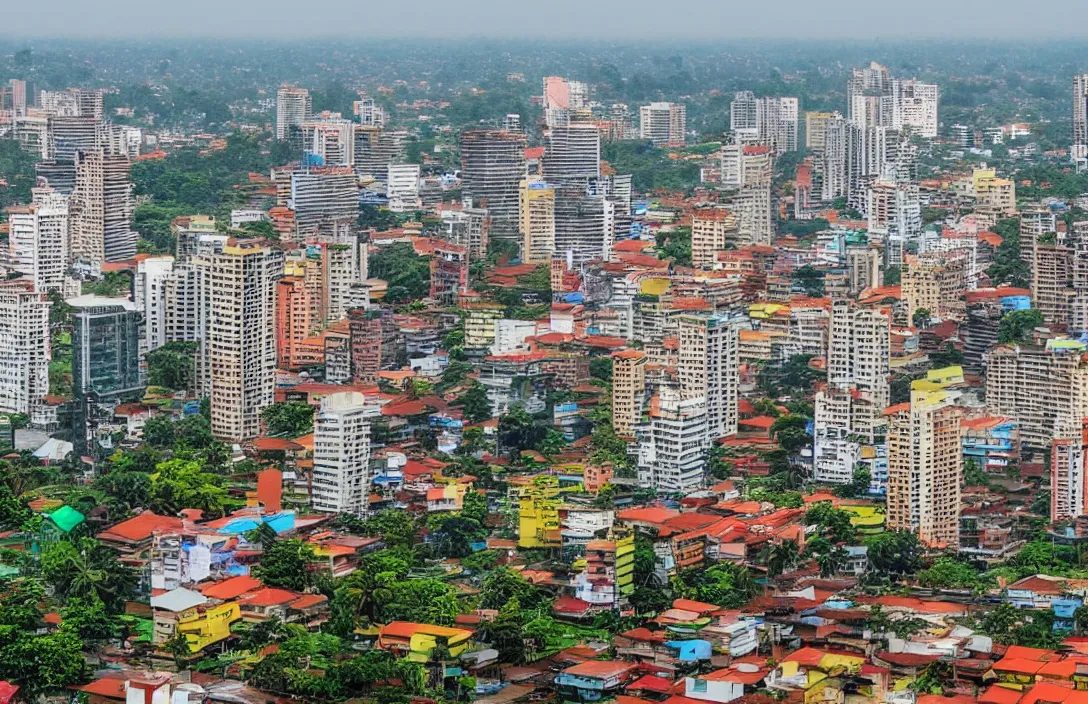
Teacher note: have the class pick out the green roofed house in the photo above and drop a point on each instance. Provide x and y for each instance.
(66, 518)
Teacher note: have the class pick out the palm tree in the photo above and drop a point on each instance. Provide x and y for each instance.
(781, 557)
(832, 561)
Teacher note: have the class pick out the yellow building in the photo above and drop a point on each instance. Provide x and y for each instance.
(997, 193)
(536, 220)
(538, 513)
(417, 641)
(480, 320)
(924, 461)
(213, 625)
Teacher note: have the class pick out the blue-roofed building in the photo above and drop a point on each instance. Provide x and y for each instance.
(991, 442)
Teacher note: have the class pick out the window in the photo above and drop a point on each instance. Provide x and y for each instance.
(699, 686)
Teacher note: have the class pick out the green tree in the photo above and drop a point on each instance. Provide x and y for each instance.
(475, 406)
(286, 564)
(790, 432)
(84, 568)
(172, 365)
(832, 523)
(159, 432)
(601, 368)
(179, 484)
(858, 484)
(1017, 326)
(675, 244)
(921, 317)
(948, 573)
(406, 274)
(780, 557)
(895, 553)
(502, 585)
(810, 279)
(291, 418)
(88, 618)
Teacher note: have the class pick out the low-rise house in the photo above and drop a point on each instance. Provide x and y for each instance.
(594, 680)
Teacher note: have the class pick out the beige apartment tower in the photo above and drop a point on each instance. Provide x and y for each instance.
(536, 220)
(924, 468)
(242, 339)
(628, 390)
(708, 368)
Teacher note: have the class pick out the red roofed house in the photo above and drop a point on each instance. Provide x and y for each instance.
(594, 679)
(133, 538)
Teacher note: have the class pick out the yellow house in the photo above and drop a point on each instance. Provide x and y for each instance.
(213, 625)
(417, 641)
(538, 513)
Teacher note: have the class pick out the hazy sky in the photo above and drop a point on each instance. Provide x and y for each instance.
(555, 19)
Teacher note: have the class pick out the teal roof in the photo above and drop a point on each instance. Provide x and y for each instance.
(66, 518)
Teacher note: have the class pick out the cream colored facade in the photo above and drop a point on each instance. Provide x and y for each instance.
(242, 339)
(924, 468)
(711, 230)
(628, 389)
(1045, 389)
(999, 194)
(816, 129)
(708, 368)
(536, 220)
(934, 282)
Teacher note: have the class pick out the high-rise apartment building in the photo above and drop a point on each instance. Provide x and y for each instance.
(1080, 109)
(242, 337)
(894, 211)
(834, 180)
(816, 129)
(101, 209)
(38, 240)
(708, 369)
(664, 124)
(492, 169)
(770, 121)
(536, 220)
(148, 292)
(24, 347)
(872, 81)
(18, 96)
(323, 200)
(1044, 388)
(1051, 275)
(294, 319)
(925, 461)
(369, 113)
(376, 148)
(712, 231)
(341, 473)
(105, 347)
(293, 107)
(628, 390)
(672, 443)
(365, 342)
(585, 224)
(915, 107)
(572, 153)
(471, 228)
(934, 282)
(749, 169)
(329, 142)
(859, 358)
(1068, 480)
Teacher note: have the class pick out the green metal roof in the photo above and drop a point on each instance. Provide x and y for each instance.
(66, 518)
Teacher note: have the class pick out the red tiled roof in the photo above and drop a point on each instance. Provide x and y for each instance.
(601, 669)
(999, 695)
(269, 596)
(650, 683)
(141, 528)
(230, 588)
